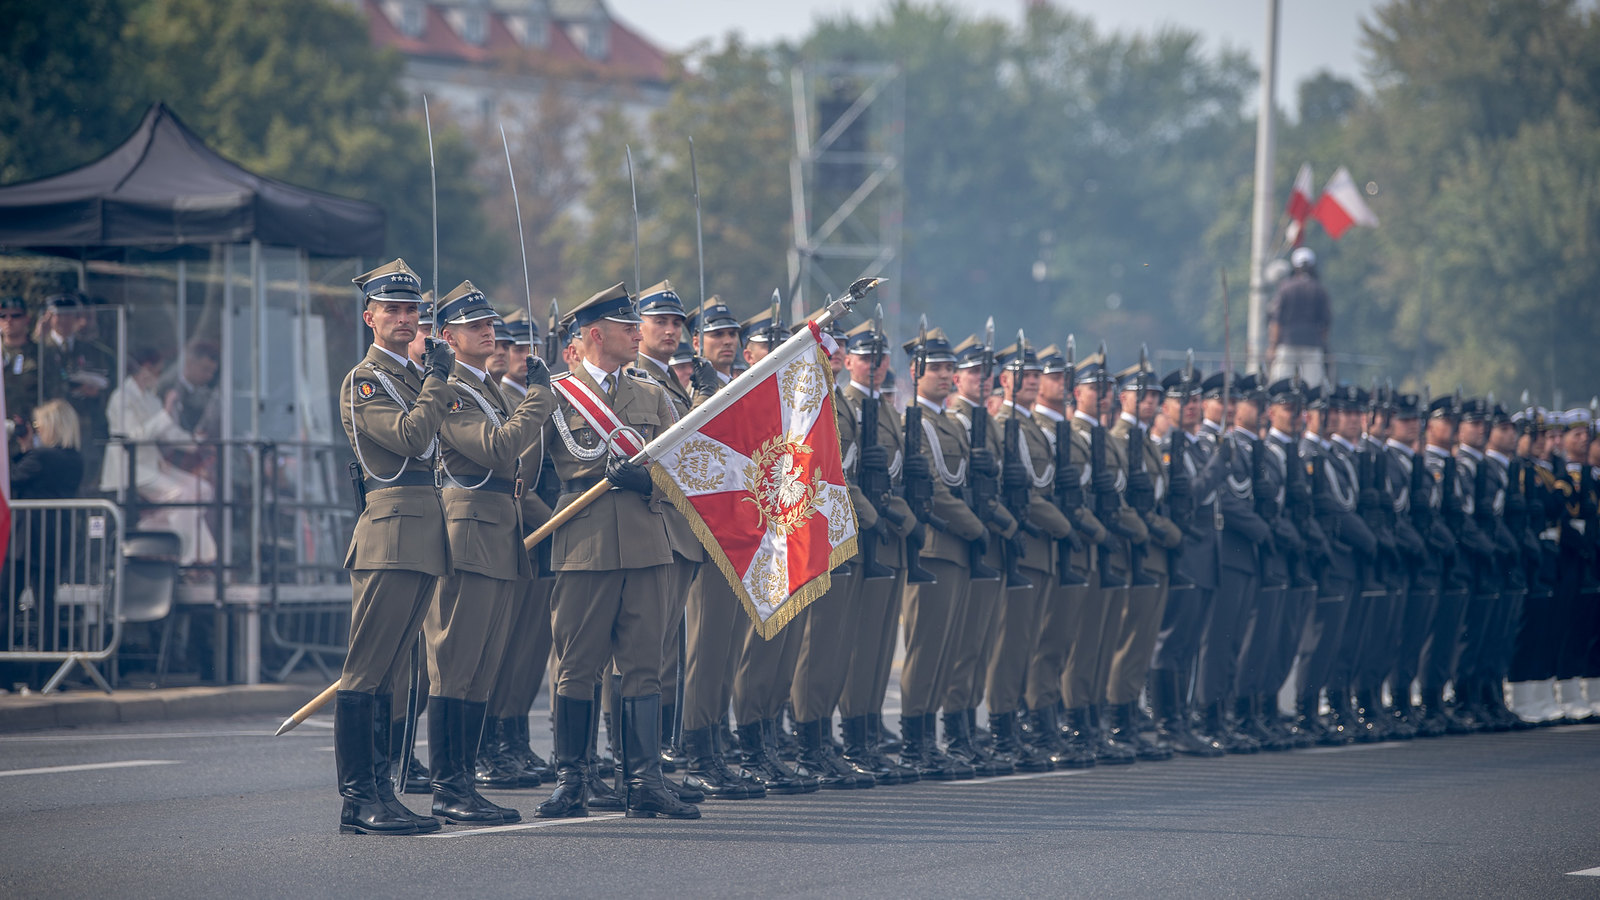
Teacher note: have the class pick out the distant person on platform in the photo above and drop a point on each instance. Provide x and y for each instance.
(1298, 323)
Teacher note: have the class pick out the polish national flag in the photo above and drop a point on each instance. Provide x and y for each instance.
(1340, 207)
(1299, 206)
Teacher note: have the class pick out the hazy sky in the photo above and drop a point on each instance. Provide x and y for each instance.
(1313, 34)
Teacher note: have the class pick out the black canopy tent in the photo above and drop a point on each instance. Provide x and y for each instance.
(163, 188)
(188, 245)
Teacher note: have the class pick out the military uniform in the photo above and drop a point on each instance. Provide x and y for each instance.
(613, 564)
(79, 369)
(399, 551)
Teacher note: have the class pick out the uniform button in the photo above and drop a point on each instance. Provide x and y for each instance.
(395, 510)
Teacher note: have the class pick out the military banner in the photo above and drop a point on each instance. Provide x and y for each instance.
(762, 483)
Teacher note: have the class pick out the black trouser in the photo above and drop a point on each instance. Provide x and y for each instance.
(1182, 628)
(1223, 636)
(1539, 638)
(1328, 624)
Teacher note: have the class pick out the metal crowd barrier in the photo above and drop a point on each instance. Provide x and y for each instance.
(62, 586)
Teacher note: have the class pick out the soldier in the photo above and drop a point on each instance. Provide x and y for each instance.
(1089, 661)
(931, 611)
(1532, 664)
(1194, 485)
(419, 344)
(1503, 508)
(681, 364)
(975, 633)
(505, 756)
(716, 620)
(21, 363)
(662, 318)
(391, 412)
(1416, 500)
(613, 561)
(1444, 628)
(1377, 502)
(825, 637)
(1135, 638)
(875, 605)
(77, 366)
(1575, 605)
(481, 442)
(1027, 471)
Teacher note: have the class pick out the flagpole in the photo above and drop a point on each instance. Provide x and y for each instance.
(1261, 222)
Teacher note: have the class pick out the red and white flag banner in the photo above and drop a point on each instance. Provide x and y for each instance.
(762, 483)
(1299, 206)
(1341, 205)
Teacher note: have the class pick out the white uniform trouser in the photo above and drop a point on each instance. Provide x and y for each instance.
(1310, 360)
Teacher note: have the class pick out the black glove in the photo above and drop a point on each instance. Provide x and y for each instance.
(538, 373)
(629, 476)
(438, 360)
(1181, 487)
(1105, 483)
(983, 463)
(917, 468)
(1068, 479)
(1012, 478)
(1141, 491)
(704, 378)
(875, 458)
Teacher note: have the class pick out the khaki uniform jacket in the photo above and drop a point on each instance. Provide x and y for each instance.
(891, 437)
(945, 443)
(959, 409)
(1090, 530)
(679, 531)
(534, 510)
(1040, 551)
(400, 527)
(1117, 464)
(850, 452)
(1164, 534)
(485, 524)
(622, 529)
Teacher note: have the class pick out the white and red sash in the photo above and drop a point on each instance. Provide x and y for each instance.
(594, 409)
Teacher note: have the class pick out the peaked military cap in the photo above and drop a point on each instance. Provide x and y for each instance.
(761, 328)
(661, 300)
(684, 354)
(1052, 360)
(1443, 407)
(1287, 390)
(1499, 415)
(716, 314)
(1092, 370)
(1407, 406)
(864, 341)
(425, 311)
(938, 347)
(1473, 409)
(1008, 357)
(969, 353)
(465, 304)
(1577, 417)
(1316, 398)
(1345, 397)
(1178, 387)
(1213, 384)
(1138, 378)
(612, 304)
(393, 282)
(518, 332)
(1250, 388)
(502, 332)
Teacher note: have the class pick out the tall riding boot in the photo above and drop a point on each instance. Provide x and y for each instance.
(1223, 732)
(574, 729)
(648, 796)
(364, 812)
(452, 746)
(1172, 719)
(760, 763)
(529, 765)
(495, 768)
(603, 780)
(416, 774)
(707, 772)
(671, 756)
(1008, 743)
(383, 771)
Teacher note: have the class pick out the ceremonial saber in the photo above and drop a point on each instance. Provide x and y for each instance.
(634, 190)
(522, 241)
(697, 417)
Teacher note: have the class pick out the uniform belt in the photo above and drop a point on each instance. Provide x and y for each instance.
(492, 486)
(404, 479)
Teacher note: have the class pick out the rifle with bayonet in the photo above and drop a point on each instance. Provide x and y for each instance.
(1014, 492)
(1069, 490)
(873, 478)
(1106, 501)
(916, 478)
(1141, 493)
(983, 487)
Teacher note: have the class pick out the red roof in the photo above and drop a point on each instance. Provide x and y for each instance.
(631, 57)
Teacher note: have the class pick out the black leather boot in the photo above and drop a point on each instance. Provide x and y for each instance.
(781, 739)
(1172, 718)
(888, 741)
(383, 771)
(1064, 752)
(959, 768)
(773, 731)
(1309, 718)
(980, 735)
(605, 779)
(760, 763)
(1108, 749)
(363, 812)
(453, 742)
(529, 764)
(672, 757)
(1009, 743)
(959, 745)
(1342, 726)
(1249, 711)
(1125, 724)
(416, 774)
(574, 728)
(648, 796)
(819, 759)
(914, 750)
(862, 756)
(1077, 737)
(495, 768)
(707, 772)
(1223, 732)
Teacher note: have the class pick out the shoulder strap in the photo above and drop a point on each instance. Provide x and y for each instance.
(594, 410)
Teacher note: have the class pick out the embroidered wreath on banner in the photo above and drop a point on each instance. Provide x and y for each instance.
(778, 485)
(803, 384)
(693, 466)
(764, 583)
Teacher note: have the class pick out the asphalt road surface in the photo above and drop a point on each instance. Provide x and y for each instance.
(222, 809)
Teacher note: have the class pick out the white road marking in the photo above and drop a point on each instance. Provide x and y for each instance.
(1027, 776)
(175, 735)
(1352, 748)
(87, 767)
(1594, 872)
(543, 823)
